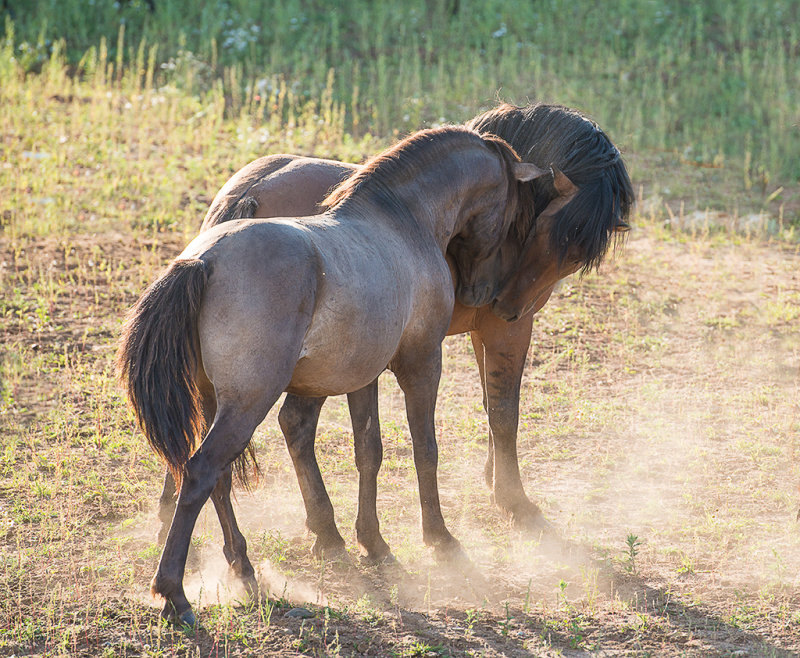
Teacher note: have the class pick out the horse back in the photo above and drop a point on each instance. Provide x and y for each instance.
(277, 186)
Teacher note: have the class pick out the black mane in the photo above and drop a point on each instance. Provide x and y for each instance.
(559, 137)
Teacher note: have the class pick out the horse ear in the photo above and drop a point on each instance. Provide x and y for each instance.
(564, 186)
(527, 171)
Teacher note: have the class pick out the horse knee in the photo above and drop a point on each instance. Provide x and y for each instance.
(503, 421)
(369, 458)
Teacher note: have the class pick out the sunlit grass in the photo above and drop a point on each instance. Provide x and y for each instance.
(715, 82)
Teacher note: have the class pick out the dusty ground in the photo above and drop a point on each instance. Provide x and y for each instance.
(659, 433)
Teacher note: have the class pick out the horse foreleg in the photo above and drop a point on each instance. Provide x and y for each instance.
(504, 349)
(488, 467)
(298, 420)
(235, 548)
(369, 455)
(419, 379)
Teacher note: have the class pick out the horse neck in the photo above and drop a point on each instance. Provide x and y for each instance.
(436, 198)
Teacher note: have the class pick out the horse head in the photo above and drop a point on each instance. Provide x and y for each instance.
(540, 266)
(481, 250)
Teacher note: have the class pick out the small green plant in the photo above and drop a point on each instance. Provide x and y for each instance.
(505, 625)
(632, 550)
(526, 606)
(573, 622)
(421, 648)
(687, 565)
(472, 618)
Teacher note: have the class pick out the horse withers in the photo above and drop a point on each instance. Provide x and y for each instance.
(315, 306)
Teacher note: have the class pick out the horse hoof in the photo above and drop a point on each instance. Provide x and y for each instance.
(334, 551)
(251, 587)
(381, 560)
(533, 523)
(185, 619)
(450, 552)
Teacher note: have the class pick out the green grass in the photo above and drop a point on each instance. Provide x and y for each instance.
(714, 82)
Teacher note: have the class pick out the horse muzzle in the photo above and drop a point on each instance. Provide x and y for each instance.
(504, 312)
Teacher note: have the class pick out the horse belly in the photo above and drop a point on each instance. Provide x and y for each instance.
(344, 353)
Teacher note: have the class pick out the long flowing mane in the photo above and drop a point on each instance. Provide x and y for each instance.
(556, 136)
(373, 183)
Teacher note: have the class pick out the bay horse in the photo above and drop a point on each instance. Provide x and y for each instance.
(317, 306)
(578, 211)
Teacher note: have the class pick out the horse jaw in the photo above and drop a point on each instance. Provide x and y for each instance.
(475, 295)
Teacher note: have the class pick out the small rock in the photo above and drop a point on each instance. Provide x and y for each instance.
(299, 613)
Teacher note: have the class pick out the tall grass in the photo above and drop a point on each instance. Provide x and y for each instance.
(716, 81)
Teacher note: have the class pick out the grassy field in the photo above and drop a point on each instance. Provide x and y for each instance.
(717, 82)
(659, 425)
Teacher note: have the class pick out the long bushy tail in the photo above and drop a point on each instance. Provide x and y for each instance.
(157, 361)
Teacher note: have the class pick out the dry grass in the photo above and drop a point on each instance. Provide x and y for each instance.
(659, 402)
(659, 426)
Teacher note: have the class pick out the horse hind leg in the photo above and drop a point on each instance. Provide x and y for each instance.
(228, 437)
(298, 420)
(166, 506)
(235, 547)
(168, 498)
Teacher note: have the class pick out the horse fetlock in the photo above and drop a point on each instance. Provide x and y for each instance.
(513, 501)
(239, 563)
(164, 585)
(321, 522)
(329, 547)
(373, 543)
(528, 518)
(177, 608)
(437, 536)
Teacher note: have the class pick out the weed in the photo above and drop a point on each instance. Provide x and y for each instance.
(633, 544)
(422, 648)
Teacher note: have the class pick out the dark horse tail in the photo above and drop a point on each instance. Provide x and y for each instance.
(157, 361)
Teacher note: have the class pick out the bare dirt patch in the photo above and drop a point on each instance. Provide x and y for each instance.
(659, 432)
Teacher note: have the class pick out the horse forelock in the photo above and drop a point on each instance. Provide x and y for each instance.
(557, 136)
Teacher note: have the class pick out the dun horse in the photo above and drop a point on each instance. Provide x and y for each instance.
(577, 212)
(317, 306)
